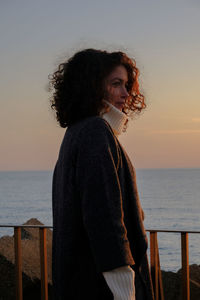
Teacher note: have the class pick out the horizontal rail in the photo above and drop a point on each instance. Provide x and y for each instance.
(50, 226)
(28, 226)
(173, 231)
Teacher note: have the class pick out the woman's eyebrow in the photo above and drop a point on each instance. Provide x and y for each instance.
(120, 79)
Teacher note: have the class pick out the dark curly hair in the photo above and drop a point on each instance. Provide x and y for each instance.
(79, 85)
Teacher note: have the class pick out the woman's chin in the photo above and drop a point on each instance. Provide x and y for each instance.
(120, 107)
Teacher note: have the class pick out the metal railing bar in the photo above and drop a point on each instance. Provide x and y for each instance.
(28, 226)
(176, 231)
(154, 263)
(185, 267)
(18, 263)
(160, 277)
(43, 264)
(49, 226)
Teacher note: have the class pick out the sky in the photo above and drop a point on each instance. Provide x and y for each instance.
(163, 38)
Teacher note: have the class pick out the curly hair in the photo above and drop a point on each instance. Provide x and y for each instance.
(79, 89)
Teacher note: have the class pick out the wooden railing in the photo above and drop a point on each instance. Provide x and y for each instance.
(18, 259)
(154, 261)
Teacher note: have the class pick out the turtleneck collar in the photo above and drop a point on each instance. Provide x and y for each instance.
(115, 117)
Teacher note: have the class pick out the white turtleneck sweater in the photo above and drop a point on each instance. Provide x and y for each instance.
(121, 281)
(115, 117)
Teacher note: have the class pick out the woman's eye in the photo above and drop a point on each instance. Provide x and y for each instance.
(116, 83)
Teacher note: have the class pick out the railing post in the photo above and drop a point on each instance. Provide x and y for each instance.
(161, 294)
(155, 267)
(185, 266)
(18, 263)
(154, 262)
(43, 264)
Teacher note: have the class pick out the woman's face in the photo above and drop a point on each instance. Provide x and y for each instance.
(116, 87)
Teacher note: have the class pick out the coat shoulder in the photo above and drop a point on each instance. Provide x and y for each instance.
(93, 123)
(94, 126)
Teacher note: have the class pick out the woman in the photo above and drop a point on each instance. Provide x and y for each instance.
(99, 241)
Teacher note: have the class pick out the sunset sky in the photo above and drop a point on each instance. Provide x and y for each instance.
(162, 36)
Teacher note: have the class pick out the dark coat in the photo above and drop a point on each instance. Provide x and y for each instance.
(97, 217)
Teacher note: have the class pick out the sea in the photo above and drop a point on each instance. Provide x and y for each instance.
(170, 199)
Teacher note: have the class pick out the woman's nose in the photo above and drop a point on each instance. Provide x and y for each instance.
(125, 92)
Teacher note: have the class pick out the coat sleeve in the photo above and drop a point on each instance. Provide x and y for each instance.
(101, 199)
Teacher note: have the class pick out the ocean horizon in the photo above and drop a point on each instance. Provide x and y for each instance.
(170, 198)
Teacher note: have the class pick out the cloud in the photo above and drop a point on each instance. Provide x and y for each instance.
(196, 120)
(181, 131)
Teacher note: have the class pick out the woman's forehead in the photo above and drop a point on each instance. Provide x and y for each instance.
(119, 72)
